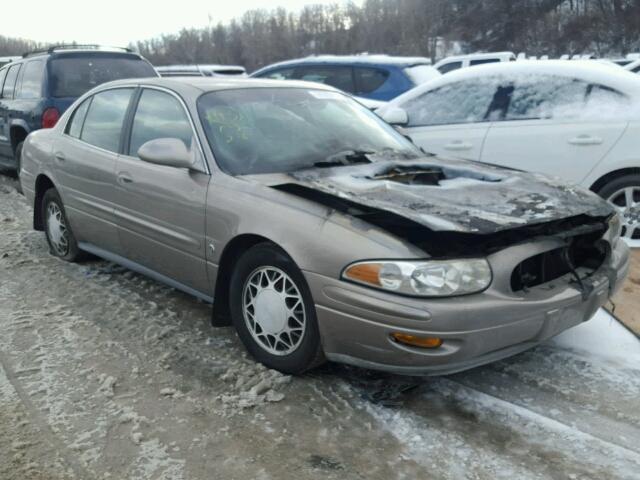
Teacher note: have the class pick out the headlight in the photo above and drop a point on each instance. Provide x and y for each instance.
(429, 278)
(615, 228)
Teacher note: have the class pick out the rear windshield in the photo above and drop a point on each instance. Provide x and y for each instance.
(73, 76)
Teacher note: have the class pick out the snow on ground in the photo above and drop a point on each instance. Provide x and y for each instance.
(105, 374)
(603, 337)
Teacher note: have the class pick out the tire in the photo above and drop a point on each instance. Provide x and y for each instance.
(18, 159)
(62, 242)
(614, 191)
(278, 326)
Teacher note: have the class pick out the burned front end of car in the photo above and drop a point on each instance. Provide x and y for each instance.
(510, 260)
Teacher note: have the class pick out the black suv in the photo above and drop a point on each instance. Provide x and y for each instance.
(36, 89)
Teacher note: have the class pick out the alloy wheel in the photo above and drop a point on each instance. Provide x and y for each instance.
(627, 202)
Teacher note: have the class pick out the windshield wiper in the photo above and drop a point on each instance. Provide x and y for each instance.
(344, 158)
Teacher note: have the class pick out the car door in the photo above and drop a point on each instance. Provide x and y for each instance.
(85, 163)
(555, 125)
(6, 105)
(161, 209)
(451, 119)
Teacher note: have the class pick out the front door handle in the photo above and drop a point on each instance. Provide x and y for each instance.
(458, 146)
(585, 140)
(60, 157)
(124, 178)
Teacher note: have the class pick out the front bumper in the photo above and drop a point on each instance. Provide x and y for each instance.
(356, 322)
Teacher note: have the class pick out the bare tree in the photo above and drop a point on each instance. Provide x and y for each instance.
(401, 27)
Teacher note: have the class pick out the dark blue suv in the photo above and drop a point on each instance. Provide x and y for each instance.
(36, 89)
(376, 77)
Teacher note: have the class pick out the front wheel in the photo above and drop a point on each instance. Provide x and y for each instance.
(273, 311)
(62, 242)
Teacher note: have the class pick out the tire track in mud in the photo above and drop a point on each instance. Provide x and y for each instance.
(33, 413)
(548, 413)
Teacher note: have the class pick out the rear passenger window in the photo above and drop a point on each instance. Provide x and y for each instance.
(32, 80)
(369, 79)
(10, 82)
(159, 115)
(74, 128)
(545, 96)
(336, 76)
(282, 74)
(104, 120)
(604, 102)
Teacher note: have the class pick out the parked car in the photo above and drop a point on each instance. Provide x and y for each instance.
(450, 64)
(575, 120)
(202, 71)
(319, 230)
(374, 77)
(5, 60)
(36, 89)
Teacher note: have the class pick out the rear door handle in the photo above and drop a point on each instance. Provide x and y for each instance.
(124, 178)
(458, 146)
(60, 156)
(585, 140)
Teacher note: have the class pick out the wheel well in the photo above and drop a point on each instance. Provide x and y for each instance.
(232, 252)
(602, 181)
(18, 134)
(43, 183)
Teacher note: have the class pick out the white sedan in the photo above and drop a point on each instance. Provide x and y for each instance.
(576, 120)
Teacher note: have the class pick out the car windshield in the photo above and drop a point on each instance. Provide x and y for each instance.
(72, 76)
(278, 130)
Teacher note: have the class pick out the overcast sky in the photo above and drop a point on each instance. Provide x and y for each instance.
(117, 22)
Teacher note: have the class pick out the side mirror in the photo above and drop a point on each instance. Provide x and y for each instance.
(395, 116)
(171, 152)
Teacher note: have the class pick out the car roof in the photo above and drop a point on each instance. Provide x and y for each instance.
(586, 70)
(353, 60)
(198, 85)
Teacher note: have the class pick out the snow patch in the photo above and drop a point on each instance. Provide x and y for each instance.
(605, 338)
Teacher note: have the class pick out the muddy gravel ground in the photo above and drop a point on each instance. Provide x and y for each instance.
(108, 375)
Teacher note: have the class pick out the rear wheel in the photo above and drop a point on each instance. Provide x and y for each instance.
(624, 194)
(273, 311)
(62, 242)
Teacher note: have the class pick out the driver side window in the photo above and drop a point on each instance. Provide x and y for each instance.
(159, 115)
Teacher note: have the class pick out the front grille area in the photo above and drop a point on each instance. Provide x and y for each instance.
(584, 252)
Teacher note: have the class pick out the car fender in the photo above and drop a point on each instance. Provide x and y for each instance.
(36, 155)
(304, 229)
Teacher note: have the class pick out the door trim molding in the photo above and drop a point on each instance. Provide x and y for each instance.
(136, 267)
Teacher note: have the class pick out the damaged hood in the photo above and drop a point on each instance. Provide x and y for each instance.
(449, 195)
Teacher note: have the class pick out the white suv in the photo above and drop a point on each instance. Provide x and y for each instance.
(576, 120)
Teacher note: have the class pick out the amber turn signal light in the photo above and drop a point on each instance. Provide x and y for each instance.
(415, 341)
(365, 273)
